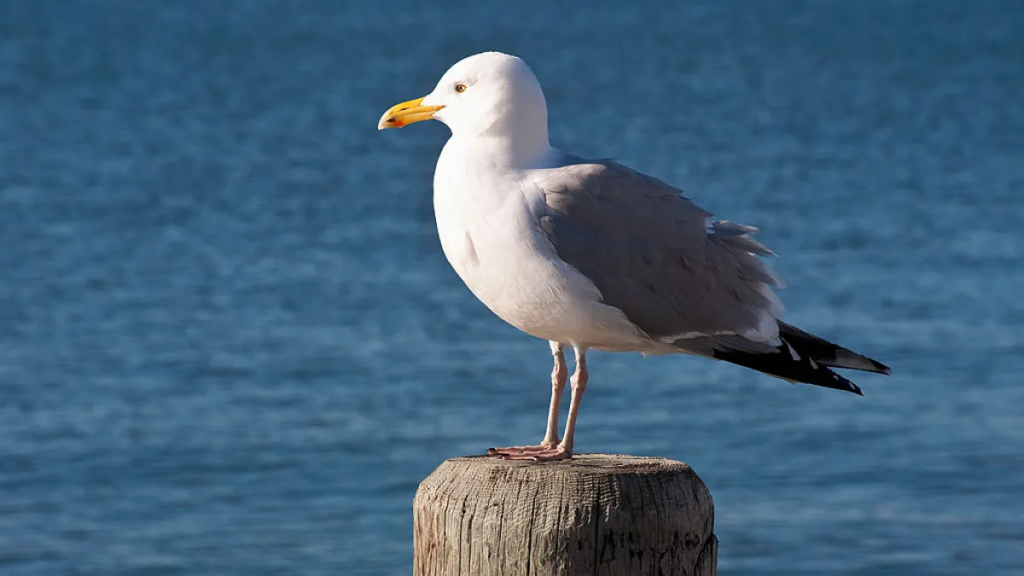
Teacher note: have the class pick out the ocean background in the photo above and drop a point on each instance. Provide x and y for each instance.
(230, 343)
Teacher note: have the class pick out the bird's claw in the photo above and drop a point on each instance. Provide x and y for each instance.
(545, 452)
(519, 450)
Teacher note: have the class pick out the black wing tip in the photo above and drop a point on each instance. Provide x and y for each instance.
(837, 382)
(829, 353)
(829, 380)
(793, 368)
(875, 366)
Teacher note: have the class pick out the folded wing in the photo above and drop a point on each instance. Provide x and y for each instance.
(680, 277)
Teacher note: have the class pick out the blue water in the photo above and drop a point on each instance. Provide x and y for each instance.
(230, 344)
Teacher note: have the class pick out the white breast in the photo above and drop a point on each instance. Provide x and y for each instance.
(490, 237)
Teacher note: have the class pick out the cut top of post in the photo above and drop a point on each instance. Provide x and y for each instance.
(593, 514)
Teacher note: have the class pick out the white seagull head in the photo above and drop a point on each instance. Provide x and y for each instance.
(488, 94)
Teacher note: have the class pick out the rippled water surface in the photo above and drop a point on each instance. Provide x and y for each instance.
(230, 344)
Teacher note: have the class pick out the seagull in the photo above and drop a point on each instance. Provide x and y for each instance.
(591, 255)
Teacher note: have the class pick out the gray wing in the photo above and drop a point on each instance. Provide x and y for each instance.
(656, 256)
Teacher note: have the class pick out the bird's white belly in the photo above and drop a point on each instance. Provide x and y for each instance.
(504, 259)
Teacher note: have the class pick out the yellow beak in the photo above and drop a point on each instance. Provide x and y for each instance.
(406, 113)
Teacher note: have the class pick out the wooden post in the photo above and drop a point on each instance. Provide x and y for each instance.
(596, 514)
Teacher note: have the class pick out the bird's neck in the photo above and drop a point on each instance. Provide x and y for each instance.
(515, 150)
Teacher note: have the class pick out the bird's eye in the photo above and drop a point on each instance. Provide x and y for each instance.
(460, 87)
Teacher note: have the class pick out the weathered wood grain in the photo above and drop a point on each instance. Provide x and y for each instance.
(596, 514)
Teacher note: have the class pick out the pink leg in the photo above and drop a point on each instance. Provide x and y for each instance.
(558, 376)
(563, 450)
(550, 441)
